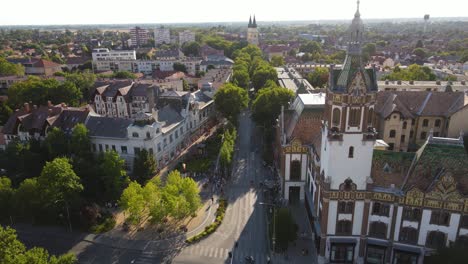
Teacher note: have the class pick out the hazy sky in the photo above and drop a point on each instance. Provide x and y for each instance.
(27, 12)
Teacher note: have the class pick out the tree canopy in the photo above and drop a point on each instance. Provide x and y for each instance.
(413, 73)
(191, 49)
(230, 100)
(177, 66)
(7, 68)
(267, 105)
(286, 229)
(277, 61)
(319, 77)
(39, 91)
(13, 251)
(58, 181)
(112, 175)
(144, 166)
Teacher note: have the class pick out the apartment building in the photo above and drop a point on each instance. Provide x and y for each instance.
(186, 36)
(113, 60)
(162, 35)
(138, 36)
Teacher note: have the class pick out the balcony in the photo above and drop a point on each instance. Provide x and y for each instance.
(334, 134)
(370, 134)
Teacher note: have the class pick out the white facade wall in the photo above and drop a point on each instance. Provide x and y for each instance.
(162, 35)
(396, 234)
(357, 168)
(332, 211)
(186, 36)
(358, 215)
(426, 227)
(114, 55)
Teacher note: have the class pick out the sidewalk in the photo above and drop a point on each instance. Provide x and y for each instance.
(171, 164)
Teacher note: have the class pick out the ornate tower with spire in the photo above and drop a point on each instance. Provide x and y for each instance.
(252, 32)
(347, 147)
(348, 133)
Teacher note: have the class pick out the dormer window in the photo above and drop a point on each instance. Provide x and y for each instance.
(135, 134)
(148, 135)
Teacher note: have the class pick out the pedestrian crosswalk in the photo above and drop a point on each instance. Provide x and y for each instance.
(146, 258)
(223, 253)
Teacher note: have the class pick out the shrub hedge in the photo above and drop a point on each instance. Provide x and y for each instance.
(220, 212)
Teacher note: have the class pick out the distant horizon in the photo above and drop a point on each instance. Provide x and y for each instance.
(107, 12)
(260, 22)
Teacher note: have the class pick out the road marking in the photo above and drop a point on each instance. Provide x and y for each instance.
(211, 252)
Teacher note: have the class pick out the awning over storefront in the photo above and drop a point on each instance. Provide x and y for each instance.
(378, 242)
(348, 240)
(407, 248)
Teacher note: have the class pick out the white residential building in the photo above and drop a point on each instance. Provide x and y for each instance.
(186, 36)
(139, 36)
(115, 60)
(162, 35)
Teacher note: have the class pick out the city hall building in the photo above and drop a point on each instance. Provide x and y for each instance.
(366, 204)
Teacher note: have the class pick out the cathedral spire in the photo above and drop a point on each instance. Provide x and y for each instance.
(250, 21)
(357, 14)
(254, 22)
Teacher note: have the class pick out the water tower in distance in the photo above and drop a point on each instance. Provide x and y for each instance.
(426, 19)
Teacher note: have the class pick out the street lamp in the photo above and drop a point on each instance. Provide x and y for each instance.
(274, 223)
(68, 213)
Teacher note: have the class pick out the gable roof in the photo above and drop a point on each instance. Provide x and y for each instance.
(436, 158)
(422, 103)
(70, 117)
(108, 127)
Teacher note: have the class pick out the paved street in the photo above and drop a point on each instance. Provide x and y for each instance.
(244, 222)
(245, 219)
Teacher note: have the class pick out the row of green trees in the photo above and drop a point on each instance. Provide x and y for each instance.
(45, 171)
(250, 68)
(13, 251)
(413, 73)
(38, 91)
(178, 198)
(227, 149)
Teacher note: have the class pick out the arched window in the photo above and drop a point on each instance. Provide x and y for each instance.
(345, 207)
(370, 116)
(336, 117)
(355, 117)
(344, 227)
(425, 123)
(295, 171)
(392, 133)
(404, 125)
(148, 135)
(436, 239)
(351, 152)
(409, 234)
(378, 229)
(135, 134)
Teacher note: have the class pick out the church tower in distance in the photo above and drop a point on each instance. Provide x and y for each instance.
(252, 32)
(348, 133)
